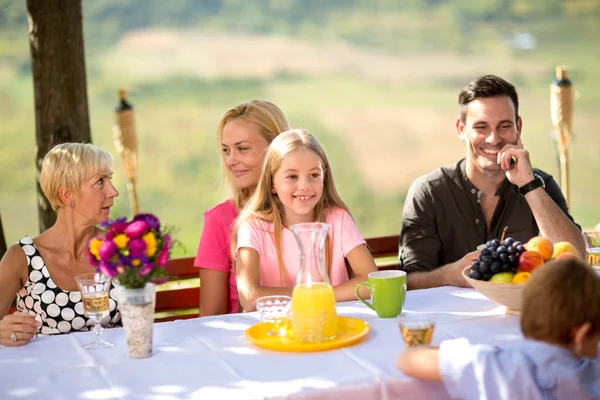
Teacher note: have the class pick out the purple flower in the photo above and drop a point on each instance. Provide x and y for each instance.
(136, 229)
(124, 260)
(137, 247)
(163, 257)
(107, 250)
(107, 269)
(146, 269)
(110, 223)
(149, 219)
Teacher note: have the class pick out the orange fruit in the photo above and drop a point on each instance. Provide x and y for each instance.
(541, 245)
(521, 277)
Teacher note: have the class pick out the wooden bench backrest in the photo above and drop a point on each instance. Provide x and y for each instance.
(180, 297)
(384, 250)
(183, 299)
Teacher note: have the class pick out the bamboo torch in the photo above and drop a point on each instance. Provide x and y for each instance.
(126, 144)
(561, 110)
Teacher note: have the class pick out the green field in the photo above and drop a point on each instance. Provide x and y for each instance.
(382, 103)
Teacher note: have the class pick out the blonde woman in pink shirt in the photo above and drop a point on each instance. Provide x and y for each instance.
(296, 185)
(243, 136)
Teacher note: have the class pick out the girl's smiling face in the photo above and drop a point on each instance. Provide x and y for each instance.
(299, 185)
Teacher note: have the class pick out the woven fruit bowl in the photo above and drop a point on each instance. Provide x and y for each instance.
(506, 294)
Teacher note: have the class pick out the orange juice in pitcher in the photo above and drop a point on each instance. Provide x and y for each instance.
(313, 312)
(314, 316)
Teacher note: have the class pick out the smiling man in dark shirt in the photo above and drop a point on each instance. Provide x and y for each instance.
(450, 211)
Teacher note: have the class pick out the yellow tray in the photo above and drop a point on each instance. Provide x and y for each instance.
(350, 331)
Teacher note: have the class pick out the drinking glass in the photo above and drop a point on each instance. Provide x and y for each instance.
(416, 329)
(94, 288)
(275, 310)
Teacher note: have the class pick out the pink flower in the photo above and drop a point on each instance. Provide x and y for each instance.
(118, 227)
(106, 269)
(167, 241)
(163, 257)
(109, 235)
(107, 250)
(162, 280)
(136, 229)
(146, 269)
(137, 247)
(120, 269)
(150, 219)
(91, 258)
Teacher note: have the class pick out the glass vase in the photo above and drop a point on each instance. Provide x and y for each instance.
(137, 313)
(314, 317)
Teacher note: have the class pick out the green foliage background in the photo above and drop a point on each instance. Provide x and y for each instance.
(177, 113)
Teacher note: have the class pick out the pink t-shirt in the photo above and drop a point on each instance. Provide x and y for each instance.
(214, 250)
(258, 235)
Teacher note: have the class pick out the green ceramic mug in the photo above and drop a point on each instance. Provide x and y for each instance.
(388, 291)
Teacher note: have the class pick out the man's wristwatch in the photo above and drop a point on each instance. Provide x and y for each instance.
(537, 182)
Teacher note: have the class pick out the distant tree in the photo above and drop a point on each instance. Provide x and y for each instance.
(59, 83)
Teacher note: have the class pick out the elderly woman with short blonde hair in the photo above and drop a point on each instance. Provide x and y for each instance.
(40, 272)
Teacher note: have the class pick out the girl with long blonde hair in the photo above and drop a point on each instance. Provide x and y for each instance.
(243, 135)
(296, 185)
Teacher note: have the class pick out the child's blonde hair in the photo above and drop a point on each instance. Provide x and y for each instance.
(560, 296)
(266, 206)
(67, 165)
(270, 120)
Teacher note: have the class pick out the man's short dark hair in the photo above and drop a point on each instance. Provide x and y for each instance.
(484, 87)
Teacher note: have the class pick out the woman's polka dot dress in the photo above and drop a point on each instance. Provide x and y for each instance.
(60, 311)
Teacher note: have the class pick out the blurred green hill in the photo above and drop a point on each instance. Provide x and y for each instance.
(375, 81)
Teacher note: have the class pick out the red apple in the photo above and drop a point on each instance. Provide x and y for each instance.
(530, 260)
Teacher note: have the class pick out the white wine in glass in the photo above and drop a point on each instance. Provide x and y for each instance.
(94, 289)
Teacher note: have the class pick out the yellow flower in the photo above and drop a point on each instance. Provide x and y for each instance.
(150, 240)
(121, 240)
(95, 247)
(135, 262)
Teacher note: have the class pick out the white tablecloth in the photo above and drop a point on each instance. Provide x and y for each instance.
(209, 358)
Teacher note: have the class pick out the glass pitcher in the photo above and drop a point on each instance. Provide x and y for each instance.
(314, 318)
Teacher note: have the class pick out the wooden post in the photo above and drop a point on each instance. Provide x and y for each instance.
(59, 83)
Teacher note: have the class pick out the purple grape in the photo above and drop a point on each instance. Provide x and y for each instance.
(484, 268)
(496, 267)
(508, 241)
(475, 275)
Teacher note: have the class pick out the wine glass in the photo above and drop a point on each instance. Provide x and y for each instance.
(94, 288)
(416, 329)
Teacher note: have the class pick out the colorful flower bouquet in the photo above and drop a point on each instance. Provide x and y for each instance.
(135, 252)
